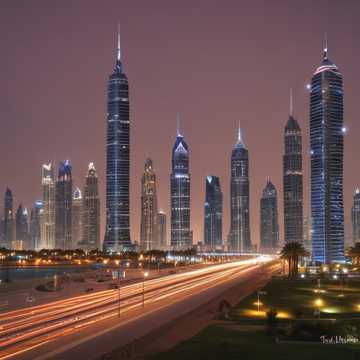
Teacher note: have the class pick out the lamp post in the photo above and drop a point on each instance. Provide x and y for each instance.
(146, 274)
(120, 273)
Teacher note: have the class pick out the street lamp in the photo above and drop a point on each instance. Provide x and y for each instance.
(146, 274)
(120, 274)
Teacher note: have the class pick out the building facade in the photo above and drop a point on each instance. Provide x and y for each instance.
(8, 220)
(149, 209)
(48, 222)
(77, 218)
(36, 224)
(117, 232)
(355, 217)
(91, 211)
(213, 210)
(293, 182)
(162, 230)
(63, 207)
(181, 235)
(269, 225)
(239, 235)
(326, 155)
(22, 228)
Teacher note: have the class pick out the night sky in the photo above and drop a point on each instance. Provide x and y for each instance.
(215, 62)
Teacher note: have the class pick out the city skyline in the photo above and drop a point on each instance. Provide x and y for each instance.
(193, 122)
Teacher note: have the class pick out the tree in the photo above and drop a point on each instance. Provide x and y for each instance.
(292, 252)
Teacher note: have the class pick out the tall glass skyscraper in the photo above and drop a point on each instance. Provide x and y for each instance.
(181, 235)
(162, 230)
(149, 212)
(22, 227)
(355, 216)
(293, 181)
(8, 220)
(117, 232)
(77, 218)
(48, 220)
(326, 153)
(91, 211)
(36, 222)
(239, 235)
(269, 225)
(213, 213)
(63, 205)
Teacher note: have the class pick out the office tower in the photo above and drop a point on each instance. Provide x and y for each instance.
(63, 207)
(181, 235)
(117, 232)
(213, 213)
(48, 222)
(149, 211)
(239, 235)
(8, 220)
(269, 226)
(293, 181)
(77, 218)
(162, 236)
(22, 228)
(91, 211)
(355, 216)
(326, 155)
(36, 224)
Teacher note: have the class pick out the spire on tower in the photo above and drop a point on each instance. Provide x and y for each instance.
(291, 103)
(118, 56)
(326, 47)
(178, 124)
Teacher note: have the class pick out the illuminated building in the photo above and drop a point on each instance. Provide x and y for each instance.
(149, 211)
(91, 211)
(48, 222)
(63, 207)
(326, 155)
(36, 222)
(355, 216)
(213, 213)
(22, 227)
(181, 235)
(8, 220)
(239, 236)
(76, 217)
(117, 232)
(293, 181)
(162, 235)
(269, 225)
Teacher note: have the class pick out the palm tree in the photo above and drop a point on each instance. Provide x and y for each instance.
(291, 252)
(354, 253)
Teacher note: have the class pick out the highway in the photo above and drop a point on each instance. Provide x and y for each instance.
(24, 332)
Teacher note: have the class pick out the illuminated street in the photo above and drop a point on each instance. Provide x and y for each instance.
(64, 324)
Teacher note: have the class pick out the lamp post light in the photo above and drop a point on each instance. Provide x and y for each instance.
(146, 274)
(120, 274)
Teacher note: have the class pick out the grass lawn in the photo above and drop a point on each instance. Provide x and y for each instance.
(217, 342)
(245, 337)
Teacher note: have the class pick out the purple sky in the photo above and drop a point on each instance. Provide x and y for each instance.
(216, 62)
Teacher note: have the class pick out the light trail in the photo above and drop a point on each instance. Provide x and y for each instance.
(25, 329)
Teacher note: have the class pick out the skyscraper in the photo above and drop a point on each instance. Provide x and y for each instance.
(181, 235)
(22, 227)
(48, 221)
(162, 230)
(36, 224)
(355, 216)
(117, 232)
(213, 213)
(269, 226)
(293, 181)
(239, 235)
(149, 211)
(91, 211)
(326, 154)
(63, 202)
(8, 220)
(77, 218)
